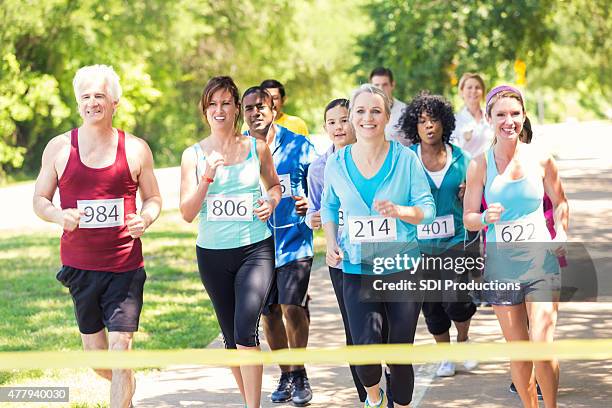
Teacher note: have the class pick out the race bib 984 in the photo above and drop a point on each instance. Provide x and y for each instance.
(372, 229)
(101, 213)
(238, 207)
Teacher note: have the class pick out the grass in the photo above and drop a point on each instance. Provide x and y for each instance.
(37, 314)
(37, 311)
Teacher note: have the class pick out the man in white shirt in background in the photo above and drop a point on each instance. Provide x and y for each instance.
(382, 78)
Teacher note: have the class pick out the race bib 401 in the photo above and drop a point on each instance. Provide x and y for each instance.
(101, 213)
(441, 227)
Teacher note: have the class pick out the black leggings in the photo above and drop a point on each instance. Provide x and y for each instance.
(366, 327)
(337, 279)
(238, 281)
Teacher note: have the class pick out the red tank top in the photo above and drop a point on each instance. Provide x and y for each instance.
(101, 242)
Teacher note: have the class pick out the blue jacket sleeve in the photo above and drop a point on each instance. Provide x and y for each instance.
(330, 203)
(420, 193)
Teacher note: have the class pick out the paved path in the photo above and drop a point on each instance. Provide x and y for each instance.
(588, 180)
(586, 169)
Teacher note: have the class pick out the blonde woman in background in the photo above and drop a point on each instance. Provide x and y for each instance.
(472, 132)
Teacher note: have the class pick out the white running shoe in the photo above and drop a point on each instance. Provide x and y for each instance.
(470, 364)
(446, 369)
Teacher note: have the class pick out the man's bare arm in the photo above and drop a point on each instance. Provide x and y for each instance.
(46, 185)
(149, 193)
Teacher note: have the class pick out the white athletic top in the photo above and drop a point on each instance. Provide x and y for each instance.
(438, 176)
(482, 134)
(392, 130)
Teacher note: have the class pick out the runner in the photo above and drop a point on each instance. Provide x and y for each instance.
(428, 122)
(98, 170)
(379, 182)
(340, 131)
(220, 181)
(514, 176)
(382, 78)
(292, 156)
(472, 132)
(279, 97)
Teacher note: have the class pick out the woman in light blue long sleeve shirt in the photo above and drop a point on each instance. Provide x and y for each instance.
(384, 193)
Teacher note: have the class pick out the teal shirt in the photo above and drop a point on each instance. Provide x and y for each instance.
(447, 200)
(367, 187)
(239, 178)
(404, 184)
(523, 197)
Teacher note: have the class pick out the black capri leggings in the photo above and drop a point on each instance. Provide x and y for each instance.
(337, 279)
(366, 327)
(238, 281)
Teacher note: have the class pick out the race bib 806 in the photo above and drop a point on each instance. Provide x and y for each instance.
(372, 229)
(238, 207)
(101, 213)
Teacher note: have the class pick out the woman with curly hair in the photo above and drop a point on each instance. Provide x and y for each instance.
(428, 122)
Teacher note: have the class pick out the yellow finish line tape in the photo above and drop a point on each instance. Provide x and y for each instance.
(592, 349)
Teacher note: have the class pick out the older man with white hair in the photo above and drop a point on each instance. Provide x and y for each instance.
(98, 169)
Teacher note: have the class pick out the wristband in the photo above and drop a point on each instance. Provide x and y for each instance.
(483, 218)
(208, 179)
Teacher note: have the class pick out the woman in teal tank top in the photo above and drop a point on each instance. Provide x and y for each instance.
(514, 177)
(220, 182)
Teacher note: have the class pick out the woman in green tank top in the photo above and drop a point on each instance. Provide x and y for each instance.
(517, 175)
(220, 181)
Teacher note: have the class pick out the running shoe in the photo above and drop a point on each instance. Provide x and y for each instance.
(282, 393)
(381, 404)
(470, 364)
(446, 369)
(388, 389)
(513, 390)
(301, 394)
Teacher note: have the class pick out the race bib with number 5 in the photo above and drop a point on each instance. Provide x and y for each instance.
(441, 227)
(237, 207)
(101, 213)
(526, 229)
(372, 229)
(285, 182)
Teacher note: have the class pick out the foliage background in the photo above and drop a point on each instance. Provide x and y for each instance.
(164, 53)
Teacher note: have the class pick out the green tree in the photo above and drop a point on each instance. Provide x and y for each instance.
(163, 51)
(428, 44)
(579, 64)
